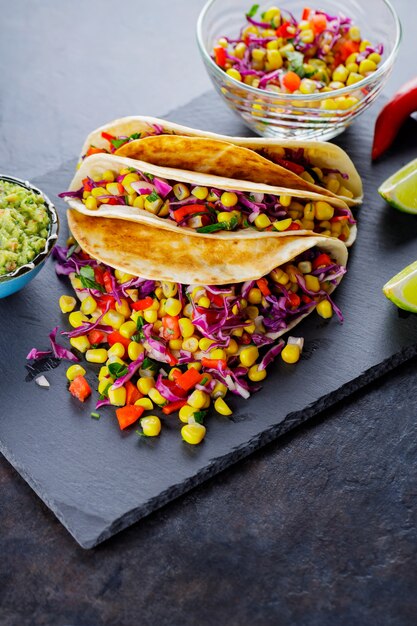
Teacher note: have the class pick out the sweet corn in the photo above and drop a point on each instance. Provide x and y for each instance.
(333, 185)
(150, 315)
(255, 296)
(169, 290)
(73, 371)
(104, 385)
(305, 267)
(88, 305)
(188, 310)
(252, 312)
(273, 60)
(354, 33)
(117, 396)
(128, 179)
(146, 403)
(249, 355)
(262, 221)
(145, 384)
(103, 373)
(353, 78)
(205, 343)
(204, 301)
(374, 57)
(99, 191)
(291, 353)
(190, 344)
(197, 399)
(340, 74)
(221, 407)
(151, 425)
(307, 224)
(324, 309)
(113, 319)
(219, 390)
(77, 319)
(186, 412)
(175, 344)
(366, 66)
(312, 282)
(282, 225)
(123, 308)
(217, 353)
(237, 332)
(279, 276)
(97, 355)
(329, 104)
(195, 365)
(172, 306)
(228, 199)
(364, 44)
(117, 349)
(225, 216)
(139, 202)
(153, 206)
(181, 191)
(193, 433)
(239, 50)
(307, 36)
(91, 203)
(345, 192)
(352, 67)
(255, 374)
(156, 397)
(67, 304)
(234, 74)
(200, 193)
(127, 329)
(285, 200)
(271, 45)
(271, 13)
(323, 210)
(233, 347)
(186, 327)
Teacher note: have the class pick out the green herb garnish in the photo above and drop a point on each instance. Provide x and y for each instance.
(199, 416)
(296, 64)
(134, 136)
(253, 10)
(212, 228)
(87, 279)
(153, 197)
(105, 393)
(71, 250)
(96, 416)
(148, 364)
(150, 176)
(117, 370)
(118, 143)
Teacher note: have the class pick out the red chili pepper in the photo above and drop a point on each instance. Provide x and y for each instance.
(189, 379)
(188, 209)
(392, 116)
(108, 137)
(293, 298)
(220, 56)
(323, 260)
(172, 407)
(127, 415)
(293, 226)
(105, 301)
(107, 282)
(96, 336)
(116, 337)
(214, 363)
(285, 30)
(263, 286)
(143, 304)
(170, 327)
(289, 165)
(112, 201)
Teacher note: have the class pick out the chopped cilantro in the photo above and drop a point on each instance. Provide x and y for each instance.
(253, 10)
(117, 370)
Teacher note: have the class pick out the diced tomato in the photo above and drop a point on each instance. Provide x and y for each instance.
(346, 48)
(189, 379)
(323, 260)
(98, 275)
(127, 415)
(132, 393)
(291, 81)
(318, 22)
(220, 56)
(263, 286)
(293, 298)
(170, 327)
(143, 304)
(107, 281)
(87, 184)
(339, 218)
(96, 336)
(116, 337)
(80, 388)
(294, 226)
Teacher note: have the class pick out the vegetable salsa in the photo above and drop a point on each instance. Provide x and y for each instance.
(208, 210)
(24, 226)
(279, 53)
(182, 348)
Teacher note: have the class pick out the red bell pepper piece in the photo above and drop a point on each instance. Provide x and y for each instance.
(263, 286)
(392, 116)
(172, 407)
(319, 23)
(216, 299)
(306, 299)
(106, 301)
(323, 260)
(107, 282)
(293, 226)
(116, 337)
(127, 415)
(172, 360)
(80, 388)
(246, 339)
(108, 137)
(306, 13)
(286, 30)
(132, 392)
(96, 336)
(92, 150)
(214, 363)
(98, 275)
(293, 298)
(142, 305)
(170, 327)
(220, 56)
(346, 48)
(189, 379)
(289, 165)
(189, 209)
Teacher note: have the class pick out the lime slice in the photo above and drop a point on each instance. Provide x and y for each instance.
(400, 189)
(402, 288)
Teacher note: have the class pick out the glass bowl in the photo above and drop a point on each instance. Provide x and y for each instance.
(21, 276)
(298, 116)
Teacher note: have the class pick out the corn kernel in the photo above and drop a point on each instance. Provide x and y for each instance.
(145, 384)
(305, 267)
(333, 185)
(252, 311)
(193, 433)
(97, 355)
(255, 296)
(239, 51)
(190, 344)
(307, 86)
(204, 301)
(205, 343)
(186, 412)
(130, 178)
(374, 57)
(134, 350)
(181, 191)
(195, 365)
(156, 397)
(172, 306)
(150, 315)
(169, 290)
(262, 221)
(323, 210)
(117, 349)
(151, 425)
(255, 374)
(67, 303)
(279, 276)
(77, 319)
(273, 60)
(99, 191)
(127, 329)
(234, 74)
(285, 200)
(324, 309)
(146, 403)
(73, 371)
(352, 67)
(225, 216)
(88, 305)
(282, 225)
(113, 319)
(186, 327)
(354, 33)
(271, 13)
(340, 74)
(104, 385)
(345, 192)
(364, 44)
(249, 355)
(219, 390)
(188, 310)
(123, 308)
(271, 45)
(139, 202)
(228, 199)
(117, 396)
(352, 58)
(221, 407)
(366, 66)
(329, 104)
(175, 344)
(200, 193)
(91, 203)
(312, 282)
(250, 328)
(108, 176)
(307, 35)
(217, 353)
(197, 399)
(353, 78)
(291, 353)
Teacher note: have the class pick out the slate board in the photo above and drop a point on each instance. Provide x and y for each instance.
(98, 480)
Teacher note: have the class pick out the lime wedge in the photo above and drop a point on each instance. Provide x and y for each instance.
(400, 189)
(402, 288)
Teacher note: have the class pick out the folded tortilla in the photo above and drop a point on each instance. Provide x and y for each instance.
(268, 156)
(96, 165)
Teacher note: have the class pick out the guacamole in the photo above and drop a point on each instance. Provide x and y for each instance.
(24, 226)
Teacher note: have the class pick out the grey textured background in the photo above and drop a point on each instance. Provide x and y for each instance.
(316, 529)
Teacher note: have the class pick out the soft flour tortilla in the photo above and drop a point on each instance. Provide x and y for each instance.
(320, 154)
(160, 254)
(96, 164)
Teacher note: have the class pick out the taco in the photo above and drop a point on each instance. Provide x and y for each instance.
(201, 204)
(308, 165)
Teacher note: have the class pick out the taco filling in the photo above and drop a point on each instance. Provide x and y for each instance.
(209, 209)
